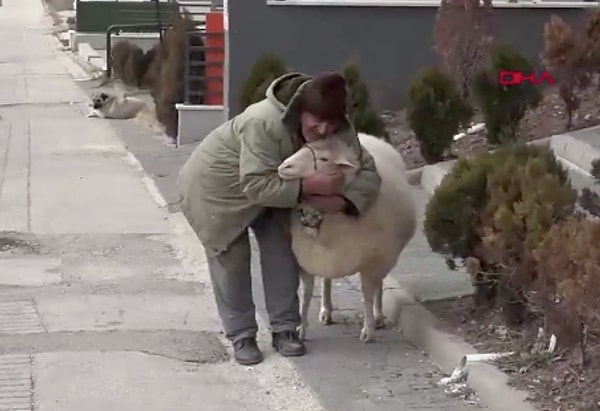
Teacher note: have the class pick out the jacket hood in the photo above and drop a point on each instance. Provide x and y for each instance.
(284, 93)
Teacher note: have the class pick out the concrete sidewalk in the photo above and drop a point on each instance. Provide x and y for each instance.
(104, 303)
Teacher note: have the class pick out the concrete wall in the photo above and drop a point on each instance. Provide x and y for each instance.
(393, 42)
(195, 122)
(98, 40)
(98, 16)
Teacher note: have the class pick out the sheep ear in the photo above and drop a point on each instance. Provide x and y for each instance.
(345, 163)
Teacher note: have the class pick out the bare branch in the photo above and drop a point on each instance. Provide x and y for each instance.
(462, 38)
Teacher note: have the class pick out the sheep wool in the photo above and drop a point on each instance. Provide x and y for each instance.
(347, 245)
(344, 245)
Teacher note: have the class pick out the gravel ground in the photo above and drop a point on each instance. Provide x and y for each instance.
(546, 120)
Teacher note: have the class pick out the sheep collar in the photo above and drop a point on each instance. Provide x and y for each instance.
(314, 155)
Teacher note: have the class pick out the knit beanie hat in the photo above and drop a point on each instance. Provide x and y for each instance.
(325, 96)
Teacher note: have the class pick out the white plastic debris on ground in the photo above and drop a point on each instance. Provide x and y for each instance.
(471, 130)
(456, 383)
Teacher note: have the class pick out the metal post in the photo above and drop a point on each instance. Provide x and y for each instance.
(158, 21)
(186, 69)
(109, 52)
(226, 60)
(109, 32)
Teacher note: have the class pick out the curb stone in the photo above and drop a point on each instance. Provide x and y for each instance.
(431, 175)
(576, 153)
(422, 328)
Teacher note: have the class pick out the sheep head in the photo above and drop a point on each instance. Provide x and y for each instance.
(326, 153)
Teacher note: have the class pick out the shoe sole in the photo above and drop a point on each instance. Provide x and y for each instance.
(250, 362)
(292, 354)
(296, 354)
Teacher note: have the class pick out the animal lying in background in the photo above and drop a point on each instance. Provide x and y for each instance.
(345, 245)
(112, 106)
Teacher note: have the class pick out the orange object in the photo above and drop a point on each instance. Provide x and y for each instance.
(215, 57)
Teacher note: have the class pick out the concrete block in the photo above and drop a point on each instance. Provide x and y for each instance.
(15, 381)
(19, 317)
(143, 40)
(72, 39)
(79, 172)
(90, 56)
(433, 175)
(577, 152)
(196, 121)
(98, 40)
(99, 381)
(127, 312)
(29, 272)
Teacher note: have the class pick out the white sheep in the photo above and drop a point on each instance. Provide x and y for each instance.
(346, 245)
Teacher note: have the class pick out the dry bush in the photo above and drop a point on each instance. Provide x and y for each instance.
(153, 61)
(167, 95)
(120, 53)
(169, 85)
(592, 36)
(130, 63)
(566, 56)
(463, 39)
(135, 67)
(568, 288)
(156, 55)
(526, 200)
(496, 207)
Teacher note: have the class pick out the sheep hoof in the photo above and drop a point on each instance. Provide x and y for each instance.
(380, 322)
(325, 317)
(302, 331)
(367, 335)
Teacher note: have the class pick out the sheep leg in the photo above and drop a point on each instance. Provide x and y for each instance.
(379, 317)
(369, 287)
(308, 286)
(326, 305)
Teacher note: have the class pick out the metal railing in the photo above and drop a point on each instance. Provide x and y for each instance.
(118, 28)
(197, 9)
(204, 66)
(96, 16)
(204, 53)
(158, 21)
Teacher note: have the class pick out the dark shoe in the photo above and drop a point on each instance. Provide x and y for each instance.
(288, 344)
(246, 352)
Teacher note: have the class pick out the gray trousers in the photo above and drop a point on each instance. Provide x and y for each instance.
(232, 283)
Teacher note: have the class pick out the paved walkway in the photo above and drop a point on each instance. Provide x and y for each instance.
(104, 298)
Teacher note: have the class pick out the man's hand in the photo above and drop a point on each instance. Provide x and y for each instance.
(324, 182)
(328, 204)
